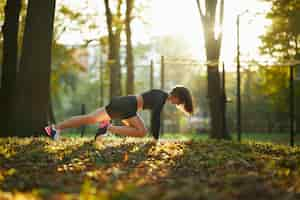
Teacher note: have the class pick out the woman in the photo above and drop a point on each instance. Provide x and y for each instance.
(125, 108)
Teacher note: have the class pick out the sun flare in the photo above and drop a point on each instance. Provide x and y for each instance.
(181, 18)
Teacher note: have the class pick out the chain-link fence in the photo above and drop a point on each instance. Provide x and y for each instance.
(268, 98)
(268, 92)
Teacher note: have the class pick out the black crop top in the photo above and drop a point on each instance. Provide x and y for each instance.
(154, 100)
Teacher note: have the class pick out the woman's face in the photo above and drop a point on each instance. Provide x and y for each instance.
(174, 100)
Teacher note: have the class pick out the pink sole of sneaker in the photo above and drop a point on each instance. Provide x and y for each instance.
(103, 124)
(48, 130)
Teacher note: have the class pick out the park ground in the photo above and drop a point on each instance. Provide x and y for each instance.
(180, 167)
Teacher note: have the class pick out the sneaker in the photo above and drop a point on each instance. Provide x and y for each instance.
(102, 128)
(51, 132)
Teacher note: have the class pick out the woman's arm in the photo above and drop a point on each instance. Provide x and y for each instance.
(155, 118)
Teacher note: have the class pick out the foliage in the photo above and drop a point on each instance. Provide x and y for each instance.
(274, 85)
(81, 19)
(65, 62)
(127, 168)
(282, 37)
(66, 65)
(281, 42)
(2, 5)
(65, 69)
(265, 98)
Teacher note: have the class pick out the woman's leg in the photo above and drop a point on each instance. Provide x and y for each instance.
(74, 122)
(134, 127)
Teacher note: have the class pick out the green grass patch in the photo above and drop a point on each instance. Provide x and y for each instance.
(139, 168)
(277, 138)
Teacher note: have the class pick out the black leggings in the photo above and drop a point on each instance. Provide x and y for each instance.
(122, 107)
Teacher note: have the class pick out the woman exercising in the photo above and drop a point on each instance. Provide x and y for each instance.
(126, 108)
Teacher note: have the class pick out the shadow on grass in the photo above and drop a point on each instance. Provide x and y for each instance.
(51, 167)
(217, 169)
(194, 169)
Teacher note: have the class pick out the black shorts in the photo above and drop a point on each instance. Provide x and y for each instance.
(122, 107)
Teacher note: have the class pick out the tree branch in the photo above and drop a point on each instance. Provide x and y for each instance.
(200, 11)
(221, 18)
(221, 13)
(108, 17)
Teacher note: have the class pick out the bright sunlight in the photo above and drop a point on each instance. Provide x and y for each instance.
(181, 18)
(115, 99)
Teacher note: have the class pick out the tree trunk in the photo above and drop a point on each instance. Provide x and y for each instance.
(114, 51)
(129, 57)
(214, 95)
(297, 68)
(116, 55)
(213, 47)
(51, 116)
(31, 106)
(9, 66)
(101, 76)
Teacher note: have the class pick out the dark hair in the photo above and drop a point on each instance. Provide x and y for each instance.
(185, 97)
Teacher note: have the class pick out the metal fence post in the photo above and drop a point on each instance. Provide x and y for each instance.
(292, 105)
(223, 100)
(162, 86)
(151, 75)
(82, 128)
(238, 126)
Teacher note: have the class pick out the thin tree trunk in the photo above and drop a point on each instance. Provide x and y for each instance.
(10, 31)
(101, 69)
(297, 57)
(113, 54)
(117, 47)
(110, 45)
(51, 116)
(31, 105)
(129, 57)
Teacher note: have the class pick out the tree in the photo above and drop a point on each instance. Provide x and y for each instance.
(10, 31)
(209, 20)
(129, 53)
(114, 28)
(66, 66)
(282, 39)
(275, 87)
(31, 103)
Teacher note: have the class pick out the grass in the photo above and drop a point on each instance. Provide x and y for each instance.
(115, 168)
(129, 168)
(277, 138)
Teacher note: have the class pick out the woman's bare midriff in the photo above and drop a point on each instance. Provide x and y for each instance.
(140, 102)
